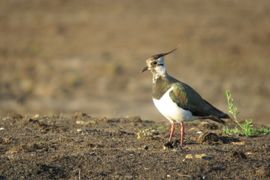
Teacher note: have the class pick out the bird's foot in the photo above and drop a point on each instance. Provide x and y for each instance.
(173, 144)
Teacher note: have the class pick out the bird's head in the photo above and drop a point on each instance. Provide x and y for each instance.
(156, 64)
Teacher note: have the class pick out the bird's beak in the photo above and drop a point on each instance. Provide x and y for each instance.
(144, 69)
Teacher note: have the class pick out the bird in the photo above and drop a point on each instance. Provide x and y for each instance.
(177, 101)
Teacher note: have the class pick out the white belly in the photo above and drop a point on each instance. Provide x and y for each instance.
(170, 110)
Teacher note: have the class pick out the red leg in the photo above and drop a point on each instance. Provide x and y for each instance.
(172, 131)
(182, 133)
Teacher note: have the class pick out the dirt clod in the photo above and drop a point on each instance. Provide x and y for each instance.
(208, 138)
(239, 155)
(146, 147)
(213, 139)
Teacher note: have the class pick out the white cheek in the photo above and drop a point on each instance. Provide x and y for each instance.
(160, 70)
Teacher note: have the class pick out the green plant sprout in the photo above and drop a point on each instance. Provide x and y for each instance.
(232, 108)
(246, 128)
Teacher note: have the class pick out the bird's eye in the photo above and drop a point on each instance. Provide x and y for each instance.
(155, 62)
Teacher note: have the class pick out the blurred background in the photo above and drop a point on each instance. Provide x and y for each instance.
(65, 56)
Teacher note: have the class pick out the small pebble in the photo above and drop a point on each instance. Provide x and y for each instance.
(36, 116)
(146, 147)
(239, 143)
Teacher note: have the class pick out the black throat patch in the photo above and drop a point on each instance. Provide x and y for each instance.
(161, 86)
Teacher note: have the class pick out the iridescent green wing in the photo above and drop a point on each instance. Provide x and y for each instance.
(187, 98)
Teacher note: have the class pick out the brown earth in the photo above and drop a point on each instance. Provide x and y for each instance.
(85, 147)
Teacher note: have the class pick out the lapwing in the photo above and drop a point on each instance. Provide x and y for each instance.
(177, 101)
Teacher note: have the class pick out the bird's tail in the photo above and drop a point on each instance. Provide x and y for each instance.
(213, 118)
(216, 114)
(216, 119)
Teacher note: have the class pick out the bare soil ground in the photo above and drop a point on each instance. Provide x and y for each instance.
(80, 146)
